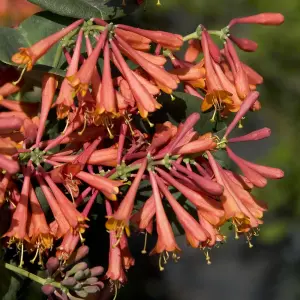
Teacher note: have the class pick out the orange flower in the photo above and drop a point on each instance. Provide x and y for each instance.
(29, 56)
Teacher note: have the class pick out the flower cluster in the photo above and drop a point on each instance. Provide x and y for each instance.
(103, 151)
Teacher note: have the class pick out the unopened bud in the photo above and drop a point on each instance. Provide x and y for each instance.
(77, 286)
(81, 253)
(262, 19)
(96, 271)
(69, 282)
(82, 293)
(78, 267)
(48, 289)
(91, 280)
(52, 265)
(244, 44)
(79, 275)
(91, 289)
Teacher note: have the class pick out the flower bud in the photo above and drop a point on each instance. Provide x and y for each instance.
(91, 280)
(81, 252)
(77, 286)
(79, 275)
(244, 44)
(91, 289)
(267, 18)
(52, 265)
(252, 136)
(69, 282)
(78, 267)
(97, 271)
(82, 293)
(48, 289)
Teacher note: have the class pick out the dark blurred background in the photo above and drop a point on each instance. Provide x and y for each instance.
(271, 269)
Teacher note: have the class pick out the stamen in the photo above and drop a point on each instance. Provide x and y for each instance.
(145, 243)
(158, 3)
(116, 290)
(36, 254)
(21, 76)
(150, 124)
(67, 125)
(22, 256)
(207, 257)
(172, 97)
(161, 268)
(82, 239)
(84, 125)
(213, 118)
(127, 121)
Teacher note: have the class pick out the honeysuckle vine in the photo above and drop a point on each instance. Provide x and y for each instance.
(101, 149)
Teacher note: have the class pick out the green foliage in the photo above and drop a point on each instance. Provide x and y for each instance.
(104, 9)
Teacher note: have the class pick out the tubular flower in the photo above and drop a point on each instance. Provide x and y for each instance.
(29, 56)
(39, 231)
(166, 240)
(81, 79)
(119, 221)
(17, 232)
(113, 152)
(65, 100)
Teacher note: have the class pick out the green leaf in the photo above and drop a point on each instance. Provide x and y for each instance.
(28, 33)
(10, 284)
(104, 9)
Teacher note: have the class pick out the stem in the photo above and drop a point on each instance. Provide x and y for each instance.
(31, 276)
(96, 27)
(135, 167)
(57, 56)
(191, 36)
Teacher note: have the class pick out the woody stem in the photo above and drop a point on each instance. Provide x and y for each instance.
(31, 276)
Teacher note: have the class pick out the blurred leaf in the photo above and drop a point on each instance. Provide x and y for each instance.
(273, 232)
(10, 284)
(42, 199)
(104, 9)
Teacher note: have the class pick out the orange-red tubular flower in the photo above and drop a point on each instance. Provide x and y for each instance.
(65, 97)
(240, 78)
(48, 91)
(29, 56)
(158, 73)
(216, 95)
(194, 231)
(145, 101)
(266, 18)
(100, 183)
(244, 44)
(108, 98)
(120, 219)
(234, 205)
(115, 271)
(60, 219)
(165, 39)
(9, 165)
(8, 89)
(74, 217)
(96, 78)
(193, 51)
(166, 240)
(81, 80)
(17, 231)
(39, 231)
